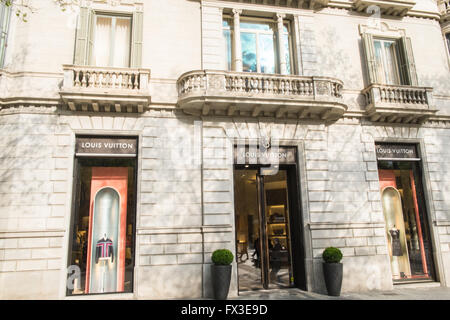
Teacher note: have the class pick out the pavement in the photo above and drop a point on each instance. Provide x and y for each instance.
(400, 292)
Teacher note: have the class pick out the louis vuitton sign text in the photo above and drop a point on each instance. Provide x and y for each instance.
(106, 146)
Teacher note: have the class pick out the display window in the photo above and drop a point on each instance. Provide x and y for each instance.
(407, 229)
(103, 226)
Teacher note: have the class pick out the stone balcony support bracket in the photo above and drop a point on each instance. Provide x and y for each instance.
(272, 95)
(102, 89)
(387, 7)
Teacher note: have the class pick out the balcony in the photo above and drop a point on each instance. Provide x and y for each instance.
(444, 10)
(399, 104)
(222, 93)
(105, 89)
(303, 4)
(387, 7)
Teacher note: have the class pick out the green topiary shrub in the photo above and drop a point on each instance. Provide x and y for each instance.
(332, 255)
(222, 257)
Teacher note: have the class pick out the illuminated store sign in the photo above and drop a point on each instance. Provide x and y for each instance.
(276, 155)
(101, 146)
(396, 152)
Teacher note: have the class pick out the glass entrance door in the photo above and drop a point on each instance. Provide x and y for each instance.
(264, 244)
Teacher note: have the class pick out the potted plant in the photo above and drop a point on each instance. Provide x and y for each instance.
(332, 270)
(221, 272)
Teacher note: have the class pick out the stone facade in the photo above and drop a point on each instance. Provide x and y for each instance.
(185, 193)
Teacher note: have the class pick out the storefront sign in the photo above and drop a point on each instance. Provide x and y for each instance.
(100, 146)
(396, 152)
(274, 155)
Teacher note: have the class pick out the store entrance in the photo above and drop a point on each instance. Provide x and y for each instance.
(268, 235)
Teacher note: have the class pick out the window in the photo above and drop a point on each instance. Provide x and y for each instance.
(447, 36)
(389, 61)
(101, 250)
(112, 40)
(109, 40)
(227, 37)
(259, 46)
(5, 13)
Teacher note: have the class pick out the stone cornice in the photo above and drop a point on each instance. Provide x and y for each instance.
(341, 4)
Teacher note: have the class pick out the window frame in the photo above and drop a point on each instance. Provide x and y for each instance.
(447, 44)
(277, 38)
(5, 20)
(396, 63)
(113, 17)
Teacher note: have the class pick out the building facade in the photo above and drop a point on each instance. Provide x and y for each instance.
(137, 137)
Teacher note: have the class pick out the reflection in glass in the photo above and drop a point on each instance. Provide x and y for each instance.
(278, 235)
(248, 246)
(287, 52)
(266, 53)
(256, 26)
(248, 41)
(448, 41)
(227, 37)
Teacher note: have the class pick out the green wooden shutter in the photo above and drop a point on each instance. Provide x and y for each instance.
(91, 37)
(136, 46)
(406, 62)
(82, 36)
(371, 61)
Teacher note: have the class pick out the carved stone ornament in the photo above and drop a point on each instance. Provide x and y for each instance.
(322, 88)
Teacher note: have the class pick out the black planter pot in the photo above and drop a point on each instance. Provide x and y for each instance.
(333, 278)
(221, 278)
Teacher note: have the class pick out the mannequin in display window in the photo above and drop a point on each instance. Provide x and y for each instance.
(396, 250)
(104, 250)
(395, 240)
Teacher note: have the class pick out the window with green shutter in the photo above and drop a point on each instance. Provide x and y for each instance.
(389, 61)
(109, 40)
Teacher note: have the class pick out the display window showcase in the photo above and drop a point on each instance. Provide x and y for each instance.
(259, 45)
(407, 228)
(103, 226)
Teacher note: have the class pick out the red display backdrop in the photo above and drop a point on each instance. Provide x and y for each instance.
(112, 178)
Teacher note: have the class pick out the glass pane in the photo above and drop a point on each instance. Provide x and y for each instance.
(122, 39)
(102, 245)
(266, 53)
(248, 42)
(256, 26)
(227, 39)
(287, 51)
(226, 23)
(278, 235)
(102, 43)
(407, 230)
(2, 48)
(248, 244)
(448, 41)
(379, 58)
(391, 63)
